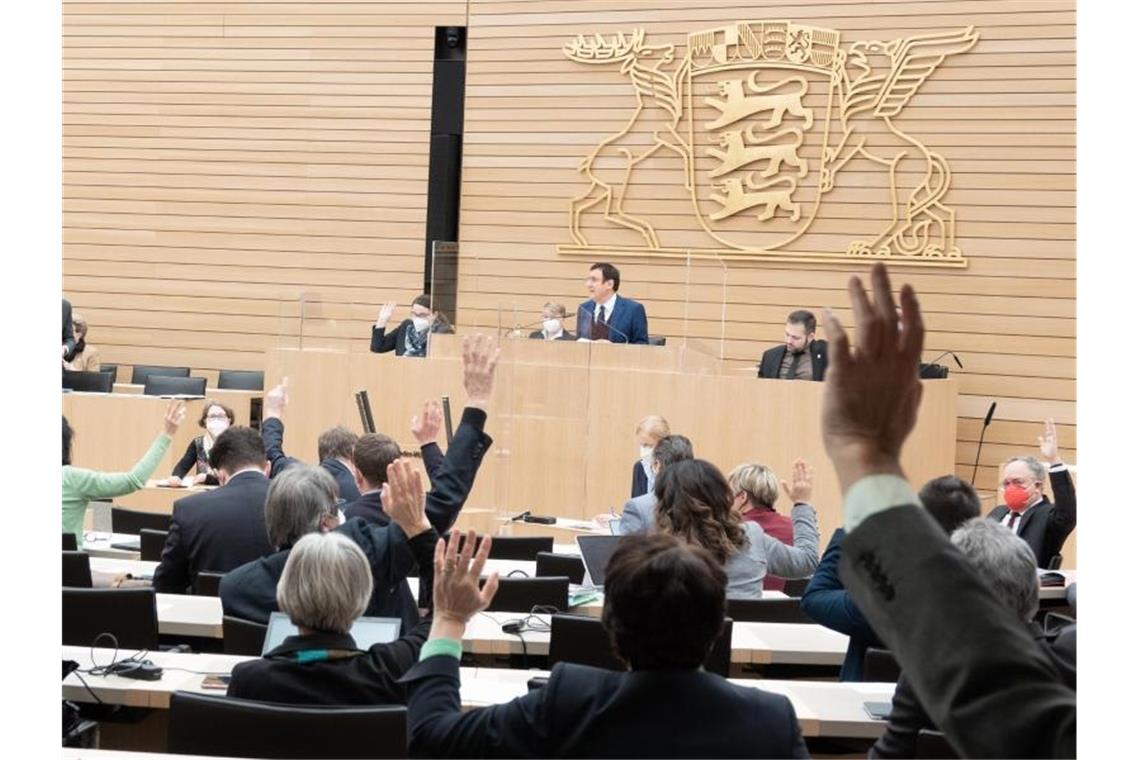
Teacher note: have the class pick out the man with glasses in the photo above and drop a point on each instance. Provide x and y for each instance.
(1025, 508)
(608, 316)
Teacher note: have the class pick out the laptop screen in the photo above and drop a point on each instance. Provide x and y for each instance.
(366, 631)
(596, 553)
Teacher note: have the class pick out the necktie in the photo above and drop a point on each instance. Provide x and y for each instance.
(600, 330)
(1016, 516)
(794, 365)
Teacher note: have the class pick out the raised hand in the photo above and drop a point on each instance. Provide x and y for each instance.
(480, 356)
(456, 595)
(385, 314)
(800, 489)
(426, 425)
(872, 392)
(1048, 443)
(402, 498)
(277, 399)
(175, 414)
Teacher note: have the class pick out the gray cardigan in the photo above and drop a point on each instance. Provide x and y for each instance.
(764, 554)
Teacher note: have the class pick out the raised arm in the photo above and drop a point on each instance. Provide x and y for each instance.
(1063, 518)
(105, 485)
(273, 429)
(382, 340)
(425, 429)
(801, 558)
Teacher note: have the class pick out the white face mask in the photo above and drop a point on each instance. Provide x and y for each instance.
(217, 427)
(551, 325)
(420, 323)
(646, 453)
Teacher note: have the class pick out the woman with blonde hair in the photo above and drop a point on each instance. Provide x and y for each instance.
(648, 432)
(754, 493)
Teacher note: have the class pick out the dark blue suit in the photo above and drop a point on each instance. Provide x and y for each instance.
(628, 323)
(827, 602)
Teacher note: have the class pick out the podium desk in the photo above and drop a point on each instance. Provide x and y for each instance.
(563, 413)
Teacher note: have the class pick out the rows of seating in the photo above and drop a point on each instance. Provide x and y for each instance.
(162, 381)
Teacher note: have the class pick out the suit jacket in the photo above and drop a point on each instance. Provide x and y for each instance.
(369, 678)
(640, 484)
(827, 602)
(973, 665)
(1047, 525)
(771, 359)
(68, 332)
(383, 341)
(639, 515)
(273, 436)
(368, 506)
(589, 712)
(628, 323)
(540, 335)
(217, 531)
(908, 716)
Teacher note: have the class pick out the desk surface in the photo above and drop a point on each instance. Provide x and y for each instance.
(823, 708)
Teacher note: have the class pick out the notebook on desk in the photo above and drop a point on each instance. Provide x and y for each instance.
(128, 546)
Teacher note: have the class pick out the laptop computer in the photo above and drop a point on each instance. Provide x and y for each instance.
(366, 631)
(596, 552)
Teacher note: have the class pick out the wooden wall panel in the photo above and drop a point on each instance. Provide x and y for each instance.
(222, 160)
(1003, 115)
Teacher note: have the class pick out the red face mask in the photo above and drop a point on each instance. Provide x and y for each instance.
(1016, 498)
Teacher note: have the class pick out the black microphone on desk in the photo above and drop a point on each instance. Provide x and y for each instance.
(981, 437)
(948, 353)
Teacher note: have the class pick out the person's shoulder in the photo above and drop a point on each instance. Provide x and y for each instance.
(765, 701)
(774, 350)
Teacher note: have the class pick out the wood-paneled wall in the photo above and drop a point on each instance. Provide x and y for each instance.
(223, 160)
(1003, 115)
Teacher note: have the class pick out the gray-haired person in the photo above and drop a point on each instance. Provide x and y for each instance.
(1008, 565)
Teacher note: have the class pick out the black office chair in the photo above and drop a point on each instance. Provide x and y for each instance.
(795, 587)
(127, 613)
(150, 544)
(140, 373)
(880, 665)
(583, 639)
(131, 521)
(523, 594)
(206, 583)
(89, 382)
(205, 724)
(76, 570)
(113, 369)
(657, 340)
(767, 611)
(160, 385)
(520, 547)
(548, 565)
(70, 544)
(242, 636)
(933, 744)
(241, 380)
(1055, 562)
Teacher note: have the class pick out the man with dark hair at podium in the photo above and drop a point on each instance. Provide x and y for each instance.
(608, 316)
(802, 357)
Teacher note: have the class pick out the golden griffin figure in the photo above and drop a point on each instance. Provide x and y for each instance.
(764, 116)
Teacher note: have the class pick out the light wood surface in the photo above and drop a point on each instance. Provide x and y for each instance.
(156, 498)
(823, 708)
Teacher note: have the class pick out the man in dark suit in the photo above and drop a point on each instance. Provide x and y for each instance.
(664, 607)
(802, 357)
(68, 332)
(608, 316)
(974, 667)
(224, 528)
(410, 338)
(1042, 524)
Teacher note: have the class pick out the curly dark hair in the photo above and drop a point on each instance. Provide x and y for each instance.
(694, 503)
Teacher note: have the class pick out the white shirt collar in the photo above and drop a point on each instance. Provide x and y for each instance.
(609, 307)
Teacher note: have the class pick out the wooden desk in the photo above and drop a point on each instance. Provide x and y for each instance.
(822, 708)
(155, 498)
(186, 615)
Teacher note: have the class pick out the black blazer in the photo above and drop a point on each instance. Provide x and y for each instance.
(566, 335)
(68, 331)
(771, 359)
(368, 507)
(908, 716)
(273, 436)
(973, 665)
(383, 341)
(640, 485)
(589, 712)
(369, 678)
(1048, 524)
(216, 531)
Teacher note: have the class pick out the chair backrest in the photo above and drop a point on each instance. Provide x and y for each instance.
(242, 636)
(657, 340)
(241, 380)
(206, 583)
(583, 639)
(767, 611)
(150, 544)
(880, 665)
(205, 724)
(520, 547)
(76, 569)
(131, 521)
(113, 369)
(548, 564)
(933, 744)
(161, 385)
(796, 586)
(127, 613)
(140, 373)
(522, 594)
(91, 382)
(1055, 562)
(70, 544)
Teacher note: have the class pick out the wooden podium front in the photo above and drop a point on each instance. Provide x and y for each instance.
(563, 415)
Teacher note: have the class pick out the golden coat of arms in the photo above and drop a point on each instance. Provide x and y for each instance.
(763, 116)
